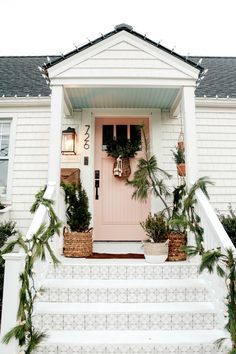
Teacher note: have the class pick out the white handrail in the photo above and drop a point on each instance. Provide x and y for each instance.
(41, 212)
(214, 232)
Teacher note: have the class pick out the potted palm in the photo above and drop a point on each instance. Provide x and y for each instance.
(179, 157)
(156, 245)
(78, 236)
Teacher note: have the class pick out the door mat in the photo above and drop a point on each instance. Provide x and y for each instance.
(112, 255)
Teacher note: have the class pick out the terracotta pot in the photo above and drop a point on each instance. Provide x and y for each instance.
(181, 169)
(155, 252)
(176, 241)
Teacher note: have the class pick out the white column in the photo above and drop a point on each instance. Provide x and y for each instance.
(54, 161)
(14, 263)
(190, 138)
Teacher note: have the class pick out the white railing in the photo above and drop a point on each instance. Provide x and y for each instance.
(214, 236)
(14, 264)
(214, 233)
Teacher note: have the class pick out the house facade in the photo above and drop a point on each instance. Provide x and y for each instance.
(104, 90)
(120, 76)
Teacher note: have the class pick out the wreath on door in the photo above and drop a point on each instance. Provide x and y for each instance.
(121, 153)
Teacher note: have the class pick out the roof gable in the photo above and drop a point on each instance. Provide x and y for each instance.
(123, 55)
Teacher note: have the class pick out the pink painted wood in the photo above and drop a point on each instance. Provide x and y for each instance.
(117, 215)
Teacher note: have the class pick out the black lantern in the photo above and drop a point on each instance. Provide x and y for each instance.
(68, 146)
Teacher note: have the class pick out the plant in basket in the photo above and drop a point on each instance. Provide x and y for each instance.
(78, 238)
(122, 151)
(179, 158)
(156, 245)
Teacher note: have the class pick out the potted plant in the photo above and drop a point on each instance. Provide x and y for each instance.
(179, 157)
(78, 238)
(156, 245)
(122, 151)
(229, 223)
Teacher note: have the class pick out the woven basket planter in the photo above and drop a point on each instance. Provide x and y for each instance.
(126, 170)
(77, 244)
(177, 240)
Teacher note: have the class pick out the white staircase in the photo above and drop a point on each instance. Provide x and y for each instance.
(128, 306)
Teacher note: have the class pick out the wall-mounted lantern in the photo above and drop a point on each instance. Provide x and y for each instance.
(68, 146)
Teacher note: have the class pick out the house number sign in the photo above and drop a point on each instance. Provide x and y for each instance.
(87, 136)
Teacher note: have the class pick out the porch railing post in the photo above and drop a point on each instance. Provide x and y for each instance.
(190, 138)
(54, 160)
(14, 263)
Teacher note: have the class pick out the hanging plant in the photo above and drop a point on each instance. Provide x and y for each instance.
(179, 158)
(35, 248)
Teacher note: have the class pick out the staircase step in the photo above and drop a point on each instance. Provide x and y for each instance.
(161, 290)
(128, 316)
(121, 269)
(132, 342)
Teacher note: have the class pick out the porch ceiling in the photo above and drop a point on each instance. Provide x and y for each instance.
(121, 97)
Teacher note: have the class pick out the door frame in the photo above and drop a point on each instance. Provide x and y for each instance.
(88, 118)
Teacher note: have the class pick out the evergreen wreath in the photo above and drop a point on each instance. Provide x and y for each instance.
(35, 248)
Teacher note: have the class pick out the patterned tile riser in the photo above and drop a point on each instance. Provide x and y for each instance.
(126, 295)
(111, 321)
(133, 349)
(172, 271)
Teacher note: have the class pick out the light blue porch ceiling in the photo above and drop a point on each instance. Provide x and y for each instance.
(121, 97)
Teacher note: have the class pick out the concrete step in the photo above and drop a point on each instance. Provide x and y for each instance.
(125, 291)
(133, 342)
(121, 269)
(125, 316)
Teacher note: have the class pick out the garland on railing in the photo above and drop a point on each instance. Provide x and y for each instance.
(225, 265)
(35, 248)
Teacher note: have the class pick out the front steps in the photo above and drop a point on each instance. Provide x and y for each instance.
(127, 306)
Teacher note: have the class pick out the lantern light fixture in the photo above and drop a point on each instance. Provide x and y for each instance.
(68, 141)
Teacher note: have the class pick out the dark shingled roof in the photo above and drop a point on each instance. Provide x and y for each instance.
(20, 76)
(220, 79)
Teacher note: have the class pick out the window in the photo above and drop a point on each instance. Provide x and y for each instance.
(4, 154)
(121, 133)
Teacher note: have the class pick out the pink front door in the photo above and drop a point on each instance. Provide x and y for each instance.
(117, 215)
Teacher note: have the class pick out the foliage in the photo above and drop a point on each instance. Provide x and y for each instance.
(184, 216)
(149, 178)
(155, 227)
(225, 265)
(229, 223)
(34, 248)
(2, 206)
(179, 155)
(77, 212)
(123, 149)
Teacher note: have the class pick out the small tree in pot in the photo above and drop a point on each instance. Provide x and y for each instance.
(156, 246)
(77, 242)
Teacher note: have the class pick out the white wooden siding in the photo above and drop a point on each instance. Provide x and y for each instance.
(216, 134)
(30, 162)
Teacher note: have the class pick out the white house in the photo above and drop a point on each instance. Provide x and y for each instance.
(103, 89)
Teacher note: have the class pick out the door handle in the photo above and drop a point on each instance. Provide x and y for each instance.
(97, 184)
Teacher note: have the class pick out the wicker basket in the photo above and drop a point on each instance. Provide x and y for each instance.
(176, 240)
(126, 170)
(77, 244)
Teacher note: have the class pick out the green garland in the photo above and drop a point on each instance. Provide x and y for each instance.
(225, 265)
(35, 248)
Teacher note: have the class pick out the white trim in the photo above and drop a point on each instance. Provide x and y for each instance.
(25, 102)
(215, 102)
(12, 139)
